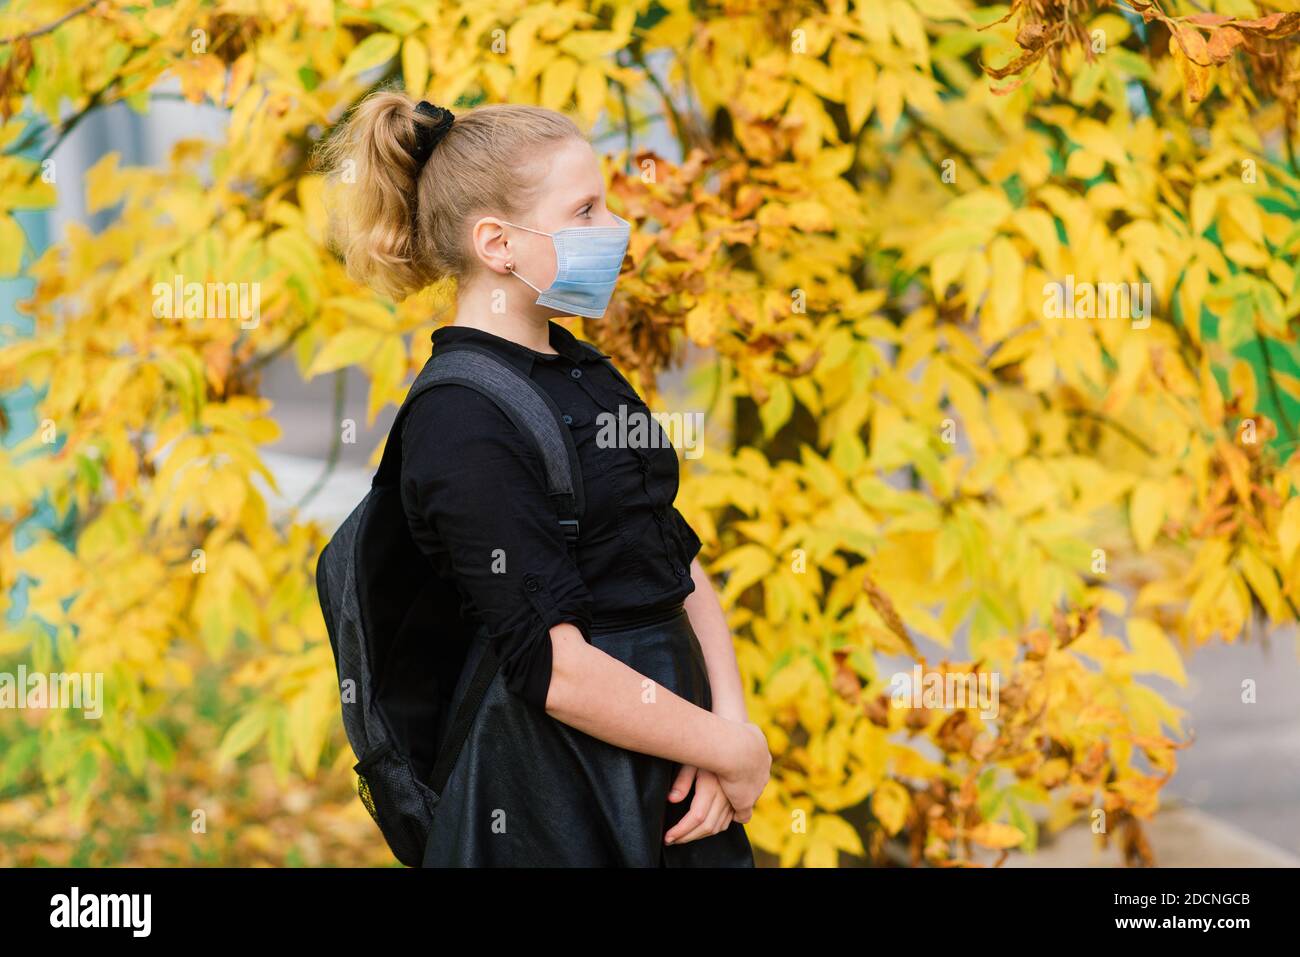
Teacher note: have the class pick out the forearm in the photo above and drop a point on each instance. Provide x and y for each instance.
(600, 695)
(710, 624)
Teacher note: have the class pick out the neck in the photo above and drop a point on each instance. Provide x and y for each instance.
(522, 322)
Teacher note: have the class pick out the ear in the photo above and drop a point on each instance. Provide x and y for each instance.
(491, 245)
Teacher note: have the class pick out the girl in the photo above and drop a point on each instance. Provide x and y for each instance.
(615, 732)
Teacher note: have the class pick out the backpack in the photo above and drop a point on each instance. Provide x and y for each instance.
(394, 626)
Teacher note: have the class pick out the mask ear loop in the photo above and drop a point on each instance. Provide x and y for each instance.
(510, 266)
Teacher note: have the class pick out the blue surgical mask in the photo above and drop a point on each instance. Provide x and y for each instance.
(587, 263)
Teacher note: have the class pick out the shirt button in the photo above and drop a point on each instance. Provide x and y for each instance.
(576, 373)
(568, 420)
(678, 569)
(531, 583)
(644, 465)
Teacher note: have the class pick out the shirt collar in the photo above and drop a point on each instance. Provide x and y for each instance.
(562, 341)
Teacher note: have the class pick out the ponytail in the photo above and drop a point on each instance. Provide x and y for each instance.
(401, 224)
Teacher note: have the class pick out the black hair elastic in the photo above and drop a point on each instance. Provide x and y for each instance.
(429, 135)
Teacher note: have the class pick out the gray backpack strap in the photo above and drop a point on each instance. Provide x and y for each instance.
(524, 402)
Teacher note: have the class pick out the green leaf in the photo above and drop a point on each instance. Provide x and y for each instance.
(775, 412)
(369, 53)
(17, 759)
(1024, 822)
(243, 734)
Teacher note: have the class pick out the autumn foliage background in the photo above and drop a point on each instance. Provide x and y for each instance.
(919, 460)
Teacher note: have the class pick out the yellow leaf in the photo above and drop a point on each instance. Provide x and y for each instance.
(1259, 575)
(12, 241)
(557, 83)
(786, 686)
(369, 53)
(1189, 55)
(890, 804)
(1153, 652)
(105, 183)
(838, 834)
(819, 853)
(589, 45)
(1241, 381)
(704, 320)
(889, 100)
(942, 10)
(349, 347)
(1146, 513)
(1134, 357)
(590, 92)
(1191, 294)
(1288, 531)
(319, 13)
(909, 30)
(311, 199)
(1204, 199)
(415, 66)
(1211, 397)
(860, 93)
(1003, 305)
(387, 368)
(997, 836)
(1037, 226)
(775, 412)
(747, 565)
(1287, 383)
(1012, 434)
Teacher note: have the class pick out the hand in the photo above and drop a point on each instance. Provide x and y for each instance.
(710, 811)
(746, 779)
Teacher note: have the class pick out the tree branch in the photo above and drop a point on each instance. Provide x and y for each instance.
(50, 27)
(1272, 386)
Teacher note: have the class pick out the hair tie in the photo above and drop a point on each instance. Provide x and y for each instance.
(429, 135)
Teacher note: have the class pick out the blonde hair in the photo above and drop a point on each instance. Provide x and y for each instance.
(400, 225)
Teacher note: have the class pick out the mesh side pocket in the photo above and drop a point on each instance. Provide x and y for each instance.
(401, 805)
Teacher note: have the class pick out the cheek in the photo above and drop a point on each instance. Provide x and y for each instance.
(538, 260)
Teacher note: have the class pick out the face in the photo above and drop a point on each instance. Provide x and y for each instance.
(569, 193)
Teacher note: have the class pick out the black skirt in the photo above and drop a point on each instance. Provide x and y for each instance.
(530, 791)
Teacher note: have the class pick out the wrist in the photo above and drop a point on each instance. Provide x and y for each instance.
(735, 742)
(733, 710)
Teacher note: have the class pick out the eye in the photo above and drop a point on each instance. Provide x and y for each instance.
(585, 212)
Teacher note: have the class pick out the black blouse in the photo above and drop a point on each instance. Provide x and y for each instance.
(474, 492)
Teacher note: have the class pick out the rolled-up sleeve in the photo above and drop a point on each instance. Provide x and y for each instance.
(474, 479)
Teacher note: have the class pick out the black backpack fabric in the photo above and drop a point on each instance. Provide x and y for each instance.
(395, 629)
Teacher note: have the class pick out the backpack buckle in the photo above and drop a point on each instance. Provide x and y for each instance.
(570, 528)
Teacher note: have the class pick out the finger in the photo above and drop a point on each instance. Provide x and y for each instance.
(718, 819)
(689, 822)
(693, 818)
(709, 826)
(713, 824)
(682, 783)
